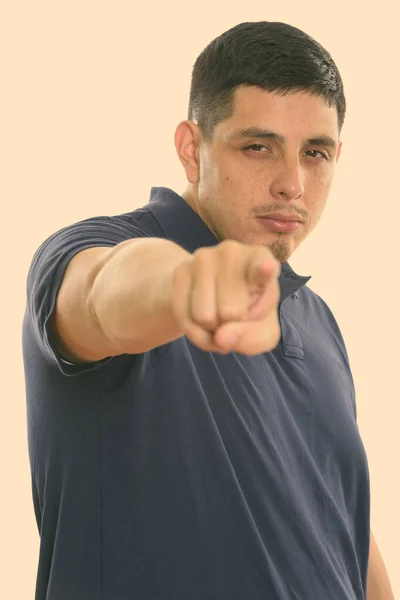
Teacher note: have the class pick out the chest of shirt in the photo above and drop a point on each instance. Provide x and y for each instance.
(298, 398)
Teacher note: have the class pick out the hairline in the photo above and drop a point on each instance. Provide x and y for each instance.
(227, 107)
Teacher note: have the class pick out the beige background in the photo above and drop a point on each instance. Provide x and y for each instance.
(91, 94)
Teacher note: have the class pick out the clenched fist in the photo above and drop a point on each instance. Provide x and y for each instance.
(225, 298)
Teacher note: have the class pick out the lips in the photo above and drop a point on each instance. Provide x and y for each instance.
(283, 217)
(281, 223)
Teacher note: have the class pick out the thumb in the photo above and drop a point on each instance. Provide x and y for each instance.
(249, 337)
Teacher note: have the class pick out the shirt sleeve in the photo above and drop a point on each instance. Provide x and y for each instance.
(47, 270)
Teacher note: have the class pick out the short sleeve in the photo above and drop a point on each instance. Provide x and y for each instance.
(47, 271)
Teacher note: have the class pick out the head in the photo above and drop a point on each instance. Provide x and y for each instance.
(262, 137)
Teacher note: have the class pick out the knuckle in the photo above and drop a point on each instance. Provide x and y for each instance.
(179, 274)
(230, 244)
(207, 321)
(199, 340)
(202, 255)
(230, 247)
(231, 313)
(229, 251)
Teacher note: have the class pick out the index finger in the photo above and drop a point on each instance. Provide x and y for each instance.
(260, 270)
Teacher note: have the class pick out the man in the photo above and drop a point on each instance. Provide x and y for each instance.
(191, 409)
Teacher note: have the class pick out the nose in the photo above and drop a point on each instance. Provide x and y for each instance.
(288, 181)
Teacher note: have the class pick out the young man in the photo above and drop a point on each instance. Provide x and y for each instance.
(191, 409)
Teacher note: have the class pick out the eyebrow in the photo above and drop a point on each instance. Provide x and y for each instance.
(267, 134)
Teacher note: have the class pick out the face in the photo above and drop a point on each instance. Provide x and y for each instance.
(265, 176)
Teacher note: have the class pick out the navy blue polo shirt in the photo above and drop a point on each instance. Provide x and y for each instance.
(180, 474)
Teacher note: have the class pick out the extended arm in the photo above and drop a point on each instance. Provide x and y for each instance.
(116, 300)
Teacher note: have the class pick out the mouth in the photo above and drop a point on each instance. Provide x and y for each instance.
(281, 223)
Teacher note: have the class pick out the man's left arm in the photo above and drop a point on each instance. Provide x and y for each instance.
(378, 584)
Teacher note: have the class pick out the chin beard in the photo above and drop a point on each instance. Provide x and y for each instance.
(280, 250)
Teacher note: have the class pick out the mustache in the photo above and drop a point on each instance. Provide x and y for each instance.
(266, 209)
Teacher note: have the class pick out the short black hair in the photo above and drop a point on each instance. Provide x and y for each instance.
(273, 56)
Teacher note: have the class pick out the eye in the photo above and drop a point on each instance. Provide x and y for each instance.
(256, 148)
(324, 156)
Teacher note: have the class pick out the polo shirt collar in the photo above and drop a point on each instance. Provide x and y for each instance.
(182, 225)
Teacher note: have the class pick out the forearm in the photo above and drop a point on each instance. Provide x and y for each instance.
(378, 584)
(130, 297)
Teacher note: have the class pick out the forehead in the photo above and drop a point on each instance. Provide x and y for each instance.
(294, 114)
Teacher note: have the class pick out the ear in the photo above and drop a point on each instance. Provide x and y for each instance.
(187, 142)
(339, 150)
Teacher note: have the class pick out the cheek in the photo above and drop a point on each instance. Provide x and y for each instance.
(240, 186)
(228, 172)
(316, 207)
(317, 188)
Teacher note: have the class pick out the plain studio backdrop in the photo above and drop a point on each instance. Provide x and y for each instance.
(91, 93)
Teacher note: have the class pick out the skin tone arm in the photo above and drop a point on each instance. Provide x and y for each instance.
(143, 293)
(378, 584)
(104, 307)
